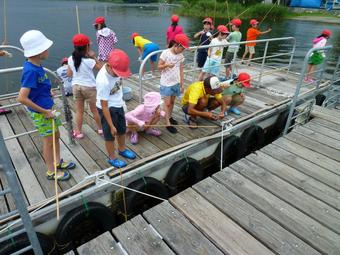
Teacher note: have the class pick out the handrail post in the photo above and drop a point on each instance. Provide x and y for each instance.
(263, 61)
(291, 56)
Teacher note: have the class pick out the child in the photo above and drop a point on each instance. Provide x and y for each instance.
(144, 48)
(62, 74)
(252, 35)
(148, 113)
(106, 39)
(205, 38)
(80, 68)
(110, 105)
(35, 93)
(233, 93)
(172, 77)
(4, 53)
(233, 37)
(317, 56)
(173, 29)
(213, 63)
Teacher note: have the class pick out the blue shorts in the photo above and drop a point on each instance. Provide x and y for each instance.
(167, 91)
(212, 66)
(149, 48)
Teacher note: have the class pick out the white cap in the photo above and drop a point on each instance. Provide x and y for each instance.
(34, 42)
(214, 82)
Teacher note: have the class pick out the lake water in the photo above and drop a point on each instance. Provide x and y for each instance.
(57, 20)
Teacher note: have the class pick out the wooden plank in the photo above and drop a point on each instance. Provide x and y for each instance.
(137, 237)
(312, 125)
(314, 146)
(326, 123)
(24, 171)
(308, 154)
(229, 237)
(301, 181)
(274, 236)
(101, 245)
(307, 229)
(70, 253)
(318, 137)
(326, 111)
(311, 206)
(177, 232)
(326, 114)
(304, 166)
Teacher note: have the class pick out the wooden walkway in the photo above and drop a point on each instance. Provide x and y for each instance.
(90, 155)
(282, 199)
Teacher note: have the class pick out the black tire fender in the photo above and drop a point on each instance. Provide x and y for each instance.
(183, 174)
(82, 224)
(137, 203)
(233, 150)
(253, 138)
(21, 241)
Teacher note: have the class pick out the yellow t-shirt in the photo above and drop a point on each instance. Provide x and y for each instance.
(196, 91)
(140, 41)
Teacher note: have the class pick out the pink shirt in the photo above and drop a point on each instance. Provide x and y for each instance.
(140, 115)
(170, 35)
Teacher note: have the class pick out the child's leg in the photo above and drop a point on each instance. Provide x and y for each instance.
(238, 99)
(110, 148)
(311, 71)
(121, 142)
(245, 53)
(227, 99)
(250, 57)
(79, 113)
(48, 152)
(201, 76)
(172, 103)
(152, 66)
(57, 146)
(167, 108)
(95, 113)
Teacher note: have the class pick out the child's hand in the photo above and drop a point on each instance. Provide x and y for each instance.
(221, 115)
(113, 131)
(7, 54)
(169, 65)
(211, 116)
(49, 114)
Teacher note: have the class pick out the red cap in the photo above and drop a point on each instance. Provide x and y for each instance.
(183, 40)
(236, 22)
(133, 35)
(327, 32)
(208, 19)
(174, 18)
(223, 29)
(244, 78)
(64, 60)
(80, 40)
(119, 62)
(99, 20)
(253, 22)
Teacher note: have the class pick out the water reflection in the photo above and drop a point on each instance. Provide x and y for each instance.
(57, 20)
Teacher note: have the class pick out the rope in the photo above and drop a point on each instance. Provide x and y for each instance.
(86, 206)
(55, 169)
(123, 193)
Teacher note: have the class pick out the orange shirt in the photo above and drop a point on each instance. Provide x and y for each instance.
(252, 35)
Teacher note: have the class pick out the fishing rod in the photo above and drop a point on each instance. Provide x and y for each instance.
(77, 15)
(265, 16)
(5, 24)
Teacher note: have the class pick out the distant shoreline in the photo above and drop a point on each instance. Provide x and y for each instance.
(331, 20)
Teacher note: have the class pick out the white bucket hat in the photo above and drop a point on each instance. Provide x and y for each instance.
(34, 42)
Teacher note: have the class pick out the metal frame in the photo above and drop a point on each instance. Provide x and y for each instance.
(233, 62)
(333, 93)
(300, 82)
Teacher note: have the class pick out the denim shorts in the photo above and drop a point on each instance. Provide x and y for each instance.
(212, 66)
(174, 90)
(118, 120)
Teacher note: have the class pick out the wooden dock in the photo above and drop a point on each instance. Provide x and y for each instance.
(282, 199)
(90, 155)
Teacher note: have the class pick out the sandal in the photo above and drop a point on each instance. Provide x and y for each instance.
(66, 165)
(61, 175)
(78, 134)
(4, 111)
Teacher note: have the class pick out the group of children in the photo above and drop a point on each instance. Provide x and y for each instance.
(104, 92)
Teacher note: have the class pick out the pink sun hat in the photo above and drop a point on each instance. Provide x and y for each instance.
(151, 101)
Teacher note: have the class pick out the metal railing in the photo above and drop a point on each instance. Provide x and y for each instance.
(234, 62)
(297, 110)
(333, 93)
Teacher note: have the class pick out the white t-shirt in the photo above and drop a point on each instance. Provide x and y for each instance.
(85, 75)
(67, 81)
(217, 52)
(171, 76)
(109, 88)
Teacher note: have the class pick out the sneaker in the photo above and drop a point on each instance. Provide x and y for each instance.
(77, 134)
(4, 111)
(134, 138)
(153, 131)
(171, 129)
(61, 175)
(100, 131)
(234, 110)
(118, 163)
(173, 121)
(127, 154)
(66, 165)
